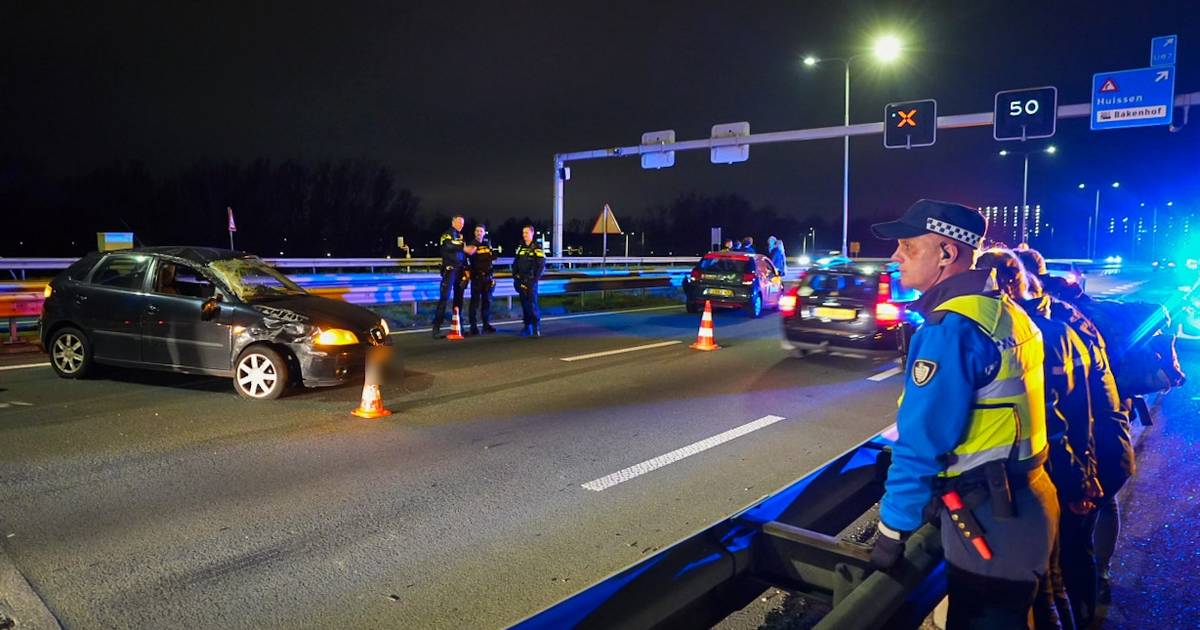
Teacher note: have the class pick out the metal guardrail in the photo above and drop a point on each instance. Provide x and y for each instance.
(789, 540)
(18, 266)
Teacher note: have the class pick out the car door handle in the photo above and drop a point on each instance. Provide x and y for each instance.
(151, 309)
(80, 299)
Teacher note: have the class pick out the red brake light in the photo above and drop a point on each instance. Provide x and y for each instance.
(747, 278)
(695, 274)
(789, 300)
(885, 311)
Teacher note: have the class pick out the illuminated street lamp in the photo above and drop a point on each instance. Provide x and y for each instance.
(1051, 150)
(886, 49)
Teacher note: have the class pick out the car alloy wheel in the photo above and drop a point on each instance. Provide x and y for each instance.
(68, 354)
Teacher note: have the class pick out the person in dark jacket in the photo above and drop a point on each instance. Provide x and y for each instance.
(454, 259)
(748, 245)
(528, 265)
(483, 281)
(1072, 462)
(1086, 574)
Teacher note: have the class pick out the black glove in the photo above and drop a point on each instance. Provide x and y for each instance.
(887, 551)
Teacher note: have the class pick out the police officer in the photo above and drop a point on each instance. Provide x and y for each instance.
(528, 265)
(454, 257)
(1090, 539)
(482, 281)
(971, 424)
(1072, 459)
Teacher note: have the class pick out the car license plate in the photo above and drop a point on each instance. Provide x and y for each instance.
(719, 292)
(841, 314)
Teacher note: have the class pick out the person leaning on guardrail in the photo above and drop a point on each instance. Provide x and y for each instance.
(1088, 541)
(454, 259)
(483, 281)
(972, 428)
(1067, 370)
(528, 265)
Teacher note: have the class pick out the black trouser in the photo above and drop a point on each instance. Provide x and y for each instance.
(481, 298)
(528, 292)
(451, 280)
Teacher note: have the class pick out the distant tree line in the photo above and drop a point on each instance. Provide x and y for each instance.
(341, 208)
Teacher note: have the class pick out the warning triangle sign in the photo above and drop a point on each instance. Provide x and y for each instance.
(606, 223)
(1109, 86)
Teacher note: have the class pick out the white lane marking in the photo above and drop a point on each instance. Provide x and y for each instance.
(17, 403)
(621, 351)
(649, 465)
(888, 373)
(556, 317)
(5, 368)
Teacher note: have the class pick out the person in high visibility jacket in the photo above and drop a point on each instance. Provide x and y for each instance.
(454, 259)
(483, 281)
(1067, 371)
(971, 425)
(528, 265)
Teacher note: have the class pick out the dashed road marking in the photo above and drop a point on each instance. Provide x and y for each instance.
(886, 374)
(607, 353)
(649, 465)
(5, 368)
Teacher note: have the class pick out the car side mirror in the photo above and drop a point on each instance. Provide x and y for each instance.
(210, 308)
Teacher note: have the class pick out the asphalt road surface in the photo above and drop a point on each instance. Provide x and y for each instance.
(138, 499)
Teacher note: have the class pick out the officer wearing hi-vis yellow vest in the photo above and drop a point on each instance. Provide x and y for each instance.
(972, 429)
(454, 259)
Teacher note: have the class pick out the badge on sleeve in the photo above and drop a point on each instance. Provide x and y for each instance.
(923, 371)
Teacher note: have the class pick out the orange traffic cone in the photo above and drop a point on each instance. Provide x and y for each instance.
(704, 338)
(372, 399)
(455, 328)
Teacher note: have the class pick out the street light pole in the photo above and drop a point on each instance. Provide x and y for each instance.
(1096, 226)
(846, 167)
(1025, 203)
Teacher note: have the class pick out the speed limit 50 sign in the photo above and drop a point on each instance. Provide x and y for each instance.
(1025, 114)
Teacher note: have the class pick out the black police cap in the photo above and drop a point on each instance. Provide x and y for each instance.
(951, 220)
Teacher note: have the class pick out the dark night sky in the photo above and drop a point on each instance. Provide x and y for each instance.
(469, 101)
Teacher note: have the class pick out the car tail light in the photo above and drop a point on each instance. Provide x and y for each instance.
(695, 274)
(788, 301)
(47, 292)
(747, 278)
(885, 311)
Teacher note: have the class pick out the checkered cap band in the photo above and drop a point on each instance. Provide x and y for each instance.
(953, 231)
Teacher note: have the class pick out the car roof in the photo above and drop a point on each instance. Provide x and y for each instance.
(199, 255)
(731, 255)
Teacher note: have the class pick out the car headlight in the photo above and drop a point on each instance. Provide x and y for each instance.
(336, 337)
(384, 325)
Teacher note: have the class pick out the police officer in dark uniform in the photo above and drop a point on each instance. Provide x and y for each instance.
(972, 425)
(483, 280)
(454, 258)
(528, 265)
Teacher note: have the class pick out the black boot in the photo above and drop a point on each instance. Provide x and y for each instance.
(474, 330)
(488, 328)
(527, 330)
(537, 330)
(438, 334)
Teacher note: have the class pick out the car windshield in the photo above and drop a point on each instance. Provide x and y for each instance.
(848, 285)
(251, 279)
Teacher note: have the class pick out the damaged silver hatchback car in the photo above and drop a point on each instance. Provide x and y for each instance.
(203, 311)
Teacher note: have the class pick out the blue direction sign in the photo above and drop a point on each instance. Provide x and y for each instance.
(1133, 98)
(1162, 50)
